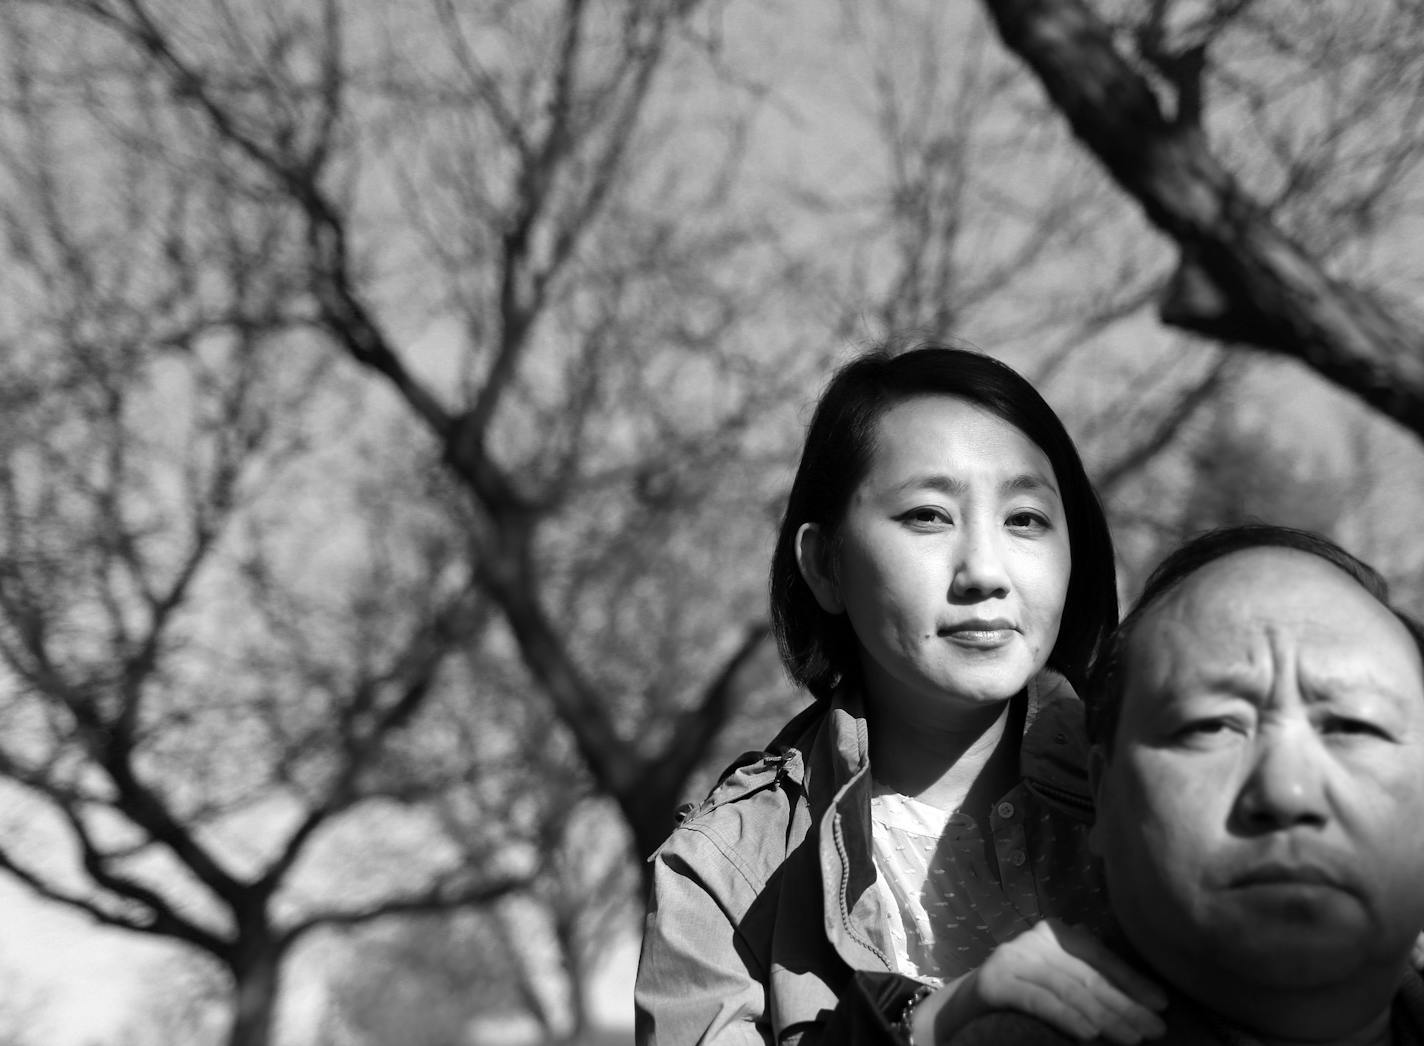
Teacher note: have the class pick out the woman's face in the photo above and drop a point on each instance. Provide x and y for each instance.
(952, 561)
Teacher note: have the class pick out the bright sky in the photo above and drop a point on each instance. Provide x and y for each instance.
(68, 981)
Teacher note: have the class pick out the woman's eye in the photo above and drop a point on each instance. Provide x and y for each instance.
(1028, 521)
(926, 516)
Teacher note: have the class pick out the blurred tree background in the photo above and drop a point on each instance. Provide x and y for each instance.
(398, 400)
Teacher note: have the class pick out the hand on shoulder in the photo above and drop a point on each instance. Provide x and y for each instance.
(1060, 974)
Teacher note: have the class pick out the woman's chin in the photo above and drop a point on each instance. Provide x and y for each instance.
(987, 676)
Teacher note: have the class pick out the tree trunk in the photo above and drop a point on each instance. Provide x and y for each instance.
(256, 973)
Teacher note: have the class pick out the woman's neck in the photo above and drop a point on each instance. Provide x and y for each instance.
(937, 764)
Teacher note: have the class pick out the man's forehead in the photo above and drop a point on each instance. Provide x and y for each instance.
(1278, 584)
(1237, 606)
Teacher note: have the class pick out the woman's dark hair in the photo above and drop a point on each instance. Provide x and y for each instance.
(818, 648)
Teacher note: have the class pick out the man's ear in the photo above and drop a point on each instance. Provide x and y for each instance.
(1097, 771)
(813, 557)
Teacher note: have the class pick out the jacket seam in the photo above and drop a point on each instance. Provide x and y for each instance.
(729, 853)
(847, 923)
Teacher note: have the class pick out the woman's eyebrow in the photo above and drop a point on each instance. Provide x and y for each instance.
(1031, 482)
(936, 481)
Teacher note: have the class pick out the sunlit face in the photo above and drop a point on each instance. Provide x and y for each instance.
(951, 562)
(1259, 814)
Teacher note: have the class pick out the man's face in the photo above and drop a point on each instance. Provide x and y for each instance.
(1260, 812)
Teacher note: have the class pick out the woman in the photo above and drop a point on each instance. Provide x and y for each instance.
(942, 568)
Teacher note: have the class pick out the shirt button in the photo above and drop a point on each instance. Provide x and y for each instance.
(1017, 858)
(1006, 809)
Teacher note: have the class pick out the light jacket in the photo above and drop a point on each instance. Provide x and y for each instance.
(763, 908)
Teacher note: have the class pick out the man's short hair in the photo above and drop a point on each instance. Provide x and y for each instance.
(1104, 692)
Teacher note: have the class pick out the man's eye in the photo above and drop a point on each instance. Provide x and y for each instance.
(1209, 729)
(1349, 725)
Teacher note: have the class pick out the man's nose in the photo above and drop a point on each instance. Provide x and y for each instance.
(979, 570)
(1285, 787)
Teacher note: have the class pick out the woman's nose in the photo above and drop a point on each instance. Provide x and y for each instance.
(979, 570)
(1285, 787)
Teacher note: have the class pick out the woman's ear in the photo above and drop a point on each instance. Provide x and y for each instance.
(813, 557)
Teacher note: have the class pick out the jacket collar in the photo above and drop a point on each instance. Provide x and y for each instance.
(1053, 749)
(1053, 755)
(834, 774)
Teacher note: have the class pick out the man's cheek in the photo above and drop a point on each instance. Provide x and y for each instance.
(1169, 823)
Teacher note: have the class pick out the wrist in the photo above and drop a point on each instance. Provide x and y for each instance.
(942, 1015)
(906, 1024)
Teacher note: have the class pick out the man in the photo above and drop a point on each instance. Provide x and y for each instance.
(1258, 769)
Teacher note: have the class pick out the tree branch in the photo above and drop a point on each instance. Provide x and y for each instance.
(342, 312)
(696, 731)
(164, 922)
(579, 704)
(413, 675)
(1269, 291)
(1167, 426)
(440, 897)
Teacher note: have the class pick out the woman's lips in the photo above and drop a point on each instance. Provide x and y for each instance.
(981, 634)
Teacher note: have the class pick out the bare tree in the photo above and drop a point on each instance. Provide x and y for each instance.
(531, 958)
(1139, 94)
(970, 203)
(194, 704)
(538, 152)
(227, 609)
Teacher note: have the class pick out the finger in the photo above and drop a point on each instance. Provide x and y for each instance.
(1063, 1014)
(1112, 1013)
(1084, 1017)
(1085, 947)
(1128, 1025)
